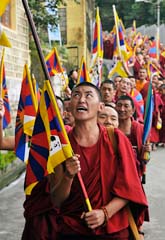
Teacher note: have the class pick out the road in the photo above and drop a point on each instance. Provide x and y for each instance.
(11, 210)
(155, 190)
(12, 198)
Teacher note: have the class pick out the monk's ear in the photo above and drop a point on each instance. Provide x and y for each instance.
(101, 106)
(133, 111)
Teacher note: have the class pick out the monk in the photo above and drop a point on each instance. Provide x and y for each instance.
(142, 83)
(138, 63)
(116, 80)
(134, 131)
(127, 87)
(108, 116)
(124, 87)
(156, 119)
(162, 130)
(107, 90)
(68, 117)
(111, 182)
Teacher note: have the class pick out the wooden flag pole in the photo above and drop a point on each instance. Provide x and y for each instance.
(117, 29)
(1, 71)
(47, 77)
(36, 39)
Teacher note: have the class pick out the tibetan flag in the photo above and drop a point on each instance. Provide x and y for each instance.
(120, 48)
(148, 113)
(26, 114)
(97, 52)
(119, 31)
(50, 145)
(83, 73)
(121, 37)
(98, 38)
(153, 69)
(137, 41)
(115, 51)
(153, 50)
(55, 68)
(53, 63)
(139, 104)
(37, 93)
(3, 6)
(31, 103)
(117, 69)
(4, 94)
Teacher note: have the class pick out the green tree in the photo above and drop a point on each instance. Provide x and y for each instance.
(129, 10)
(44, 12)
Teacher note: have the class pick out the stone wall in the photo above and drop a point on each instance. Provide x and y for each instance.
(16, 57)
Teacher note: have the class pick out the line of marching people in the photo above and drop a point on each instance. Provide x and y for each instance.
(120, 103)
(55, 209)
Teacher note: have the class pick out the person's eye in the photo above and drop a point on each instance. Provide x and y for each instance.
(75, 95)
(89, 95)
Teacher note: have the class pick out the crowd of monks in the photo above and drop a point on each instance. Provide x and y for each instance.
(139, 70)
(112, 174)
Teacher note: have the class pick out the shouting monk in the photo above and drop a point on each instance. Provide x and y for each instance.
(111, 182)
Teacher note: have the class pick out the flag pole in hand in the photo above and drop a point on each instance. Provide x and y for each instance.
(47, 77)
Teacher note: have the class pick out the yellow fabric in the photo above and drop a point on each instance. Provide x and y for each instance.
(4, 41)
(119, 69)
(140, 85)
(3, 6)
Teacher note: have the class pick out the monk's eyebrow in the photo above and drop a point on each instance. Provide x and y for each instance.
(89, 92)
(78, 92)
(75, 91)
(103, 114)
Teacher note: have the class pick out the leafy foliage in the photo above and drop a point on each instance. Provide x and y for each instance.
(6, 159)
(44, 12)
(129, 10)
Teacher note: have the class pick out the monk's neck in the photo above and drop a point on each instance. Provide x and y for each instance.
(125, 126)
(86, 133)
(119, 93)
(143, 81)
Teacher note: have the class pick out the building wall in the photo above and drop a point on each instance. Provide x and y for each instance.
(17, 56)
(79, 19)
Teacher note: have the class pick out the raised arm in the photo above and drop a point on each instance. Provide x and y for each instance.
(61, 180)
(6, 143)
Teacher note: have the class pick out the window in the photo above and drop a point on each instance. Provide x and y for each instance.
(8, 19)
(63, 23)
(88, 29)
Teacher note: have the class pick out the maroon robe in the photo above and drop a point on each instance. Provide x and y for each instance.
(144, 91)
(154, 136)
(162, 64)
(162, 115)
(135, 138)
(104, 177)
(108, 49)
(136, 68)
